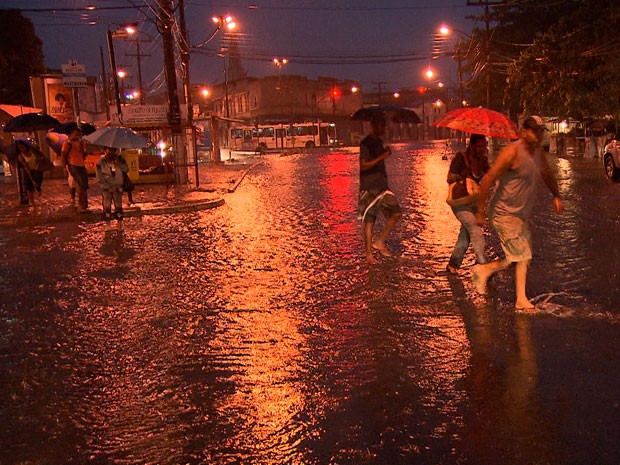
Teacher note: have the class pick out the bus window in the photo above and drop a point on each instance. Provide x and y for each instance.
(236, 133)
(247, 135)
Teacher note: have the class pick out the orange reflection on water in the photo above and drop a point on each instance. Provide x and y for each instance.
(256, 335)
(440, 225)
(340, 192)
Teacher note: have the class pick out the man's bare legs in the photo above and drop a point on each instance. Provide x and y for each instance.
(482, 273)
(522, 302)
(368, 227)
(379, 242)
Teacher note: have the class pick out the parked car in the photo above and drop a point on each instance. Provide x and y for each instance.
(611, 160)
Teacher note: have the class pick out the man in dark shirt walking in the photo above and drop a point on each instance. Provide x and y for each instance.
(375, 195)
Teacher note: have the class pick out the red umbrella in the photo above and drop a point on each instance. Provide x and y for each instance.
(479, 120)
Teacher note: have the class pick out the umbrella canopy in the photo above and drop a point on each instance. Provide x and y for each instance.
(31, 122)
(120, 138)
(68, 128)
(391, 112)
(479, 120)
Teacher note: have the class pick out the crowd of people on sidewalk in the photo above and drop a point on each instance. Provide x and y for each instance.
(28, 165)
(513, 176)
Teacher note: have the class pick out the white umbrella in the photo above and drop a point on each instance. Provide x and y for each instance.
(119, 138)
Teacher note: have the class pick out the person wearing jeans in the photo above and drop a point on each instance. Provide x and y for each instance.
(472, 164)
(110, 169)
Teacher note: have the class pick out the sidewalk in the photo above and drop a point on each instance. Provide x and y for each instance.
(216, 180)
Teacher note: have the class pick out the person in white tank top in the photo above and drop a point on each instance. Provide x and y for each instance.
(518, 169)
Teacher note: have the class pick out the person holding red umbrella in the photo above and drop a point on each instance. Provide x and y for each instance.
(517, 168)
(473, 164)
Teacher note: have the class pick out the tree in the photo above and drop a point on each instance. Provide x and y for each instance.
(513, 28)
(21, 56)
(571, 69)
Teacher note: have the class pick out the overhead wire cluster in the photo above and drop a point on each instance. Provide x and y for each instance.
(148, 12)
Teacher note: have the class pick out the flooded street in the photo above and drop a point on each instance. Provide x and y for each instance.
(256, 334)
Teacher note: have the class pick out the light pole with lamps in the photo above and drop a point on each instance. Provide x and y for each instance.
(131, 30)
(279, 63)
(122, 74)
(121, 33)
(429, 73)
(445, 31)
(113, 71)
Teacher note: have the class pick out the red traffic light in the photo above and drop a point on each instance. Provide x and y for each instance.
(336, 92)
(421, 90)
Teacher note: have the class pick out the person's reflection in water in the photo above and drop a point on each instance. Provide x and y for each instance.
(506, 425)
(114, 246)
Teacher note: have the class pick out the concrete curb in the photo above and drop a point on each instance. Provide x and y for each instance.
(242, 177)
(96, 216)
(54, 215)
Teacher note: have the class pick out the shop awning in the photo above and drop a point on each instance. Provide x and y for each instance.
(11, 111)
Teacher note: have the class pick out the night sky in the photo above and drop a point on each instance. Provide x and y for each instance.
(337, 38)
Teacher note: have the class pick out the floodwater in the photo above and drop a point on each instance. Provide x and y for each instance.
(256, 334)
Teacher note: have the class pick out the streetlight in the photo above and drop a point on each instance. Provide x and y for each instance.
(279, 63)
(446, 31)
(121, 75)
(224, 21)
(429, 73)
(121, 32)
(131, 30)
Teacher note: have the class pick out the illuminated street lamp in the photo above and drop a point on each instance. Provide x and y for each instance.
(131, 30)
(279, 63)
(429, 73)
(446, 31)
(224, 21)
(121, 75)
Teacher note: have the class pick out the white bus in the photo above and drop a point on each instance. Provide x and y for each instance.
(283, 136)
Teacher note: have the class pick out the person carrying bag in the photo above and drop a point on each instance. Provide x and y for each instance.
(464, 175)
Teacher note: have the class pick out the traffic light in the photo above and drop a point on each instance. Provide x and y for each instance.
(336, 93)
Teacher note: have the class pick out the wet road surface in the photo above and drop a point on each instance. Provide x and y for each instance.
(256, 334)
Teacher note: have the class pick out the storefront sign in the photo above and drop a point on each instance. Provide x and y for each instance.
(74, 75)
(145, 114)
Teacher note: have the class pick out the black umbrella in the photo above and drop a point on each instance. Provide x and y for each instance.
(31, 122)
(391, 112)
(68, 128)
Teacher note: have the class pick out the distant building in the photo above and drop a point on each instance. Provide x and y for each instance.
(282, 99)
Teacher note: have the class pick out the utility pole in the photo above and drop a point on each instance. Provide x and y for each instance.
(106, 87)
(139, 56)
(379, 85)
(487, 39)
(114, 75)
(187, 88)
(166, 18)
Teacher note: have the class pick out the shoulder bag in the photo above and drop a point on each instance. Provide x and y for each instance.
(464, 192)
